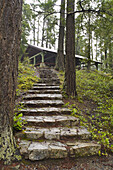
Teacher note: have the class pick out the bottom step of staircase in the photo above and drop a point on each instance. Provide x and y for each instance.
(55, 150)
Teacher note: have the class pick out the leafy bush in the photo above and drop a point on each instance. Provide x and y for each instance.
(18, 123)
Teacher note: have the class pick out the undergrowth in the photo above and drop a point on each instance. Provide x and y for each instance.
(96, 87)
(26, 79)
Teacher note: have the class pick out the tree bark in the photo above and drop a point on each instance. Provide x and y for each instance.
(10, 30)
(60, 54)
(70, 76)
(89, 41)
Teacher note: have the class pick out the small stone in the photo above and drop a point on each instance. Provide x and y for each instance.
(57, 150)
(34, 134)
(38, 151)
(52, 134)
(86, 149)
(24, 148)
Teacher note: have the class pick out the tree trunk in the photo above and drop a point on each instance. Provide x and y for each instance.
(10, 30)
(106, 57)
(70, 83)
(89, 42)
(43, 31)
(60, 54)
(110, 55)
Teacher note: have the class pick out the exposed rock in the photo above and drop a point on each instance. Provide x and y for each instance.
(38, 151)
(57, 150)
(85, 149)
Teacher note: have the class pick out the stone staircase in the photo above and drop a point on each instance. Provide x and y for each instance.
(51, 132)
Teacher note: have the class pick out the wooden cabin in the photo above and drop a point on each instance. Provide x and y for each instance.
(35, 54)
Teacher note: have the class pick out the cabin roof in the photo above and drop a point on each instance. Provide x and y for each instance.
(33, 50)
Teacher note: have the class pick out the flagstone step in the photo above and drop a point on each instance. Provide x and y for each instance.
(57, 133)
(43, 97)
(48, 80)
(50, 76)
(43, 103)
(53, 91)
(45, 111)
(46, 87)
(51, 121)
(36, 151)
(44, 84)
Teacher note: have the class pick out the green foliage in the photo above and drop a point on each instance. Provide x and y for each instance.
(95, 87)
(18, 123)
(26, 27)
(26, 77)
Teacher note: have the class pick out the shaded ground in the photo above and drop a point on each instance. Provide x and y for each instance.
(87, 163)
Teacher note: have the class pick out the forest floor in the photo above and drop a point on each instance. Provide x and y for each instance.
(94, 107)
(86, 163)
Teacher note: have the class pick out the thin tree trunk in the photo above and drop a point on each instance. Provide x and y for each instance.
(70, 76)
(10, 29)
(89, 46)
(43, 30)
(96, 47)
(110, 56)
(106, 62)
(38, 32)
(60, 54)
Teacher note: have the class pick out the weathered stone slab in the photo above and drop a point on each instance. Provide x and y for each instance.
(45, 87)
(43, 103)
(34, 134)
(85, 149)
(57, 150)
(53, 91)
(53, 133)
(44, 84)
(24, 148)
(38, 151)
(61, 120)
(56, 133)
(50, 81)
(43, 96)
(46, 110)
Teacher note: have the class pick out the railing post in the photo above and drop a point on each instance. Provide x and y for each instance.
(42, 57)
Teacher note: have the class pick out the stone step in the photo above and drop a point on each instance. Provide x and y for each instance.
(51, 121)
(43, 97)
(46, 87)
(57, 133)
(48, 76)
(45, 111)
(48, 80)
(43, 103)
(43, 84)
(53, 91)
(36, 151)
